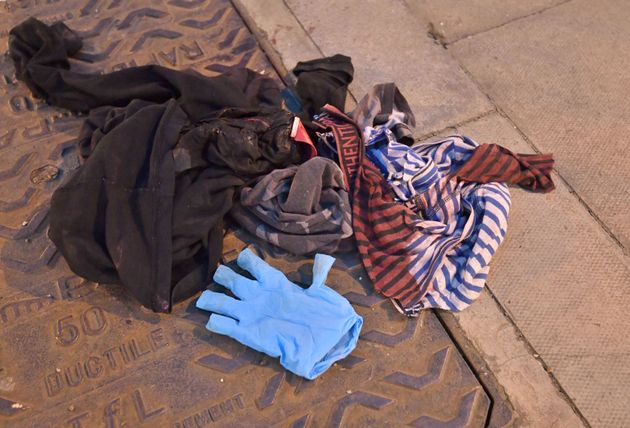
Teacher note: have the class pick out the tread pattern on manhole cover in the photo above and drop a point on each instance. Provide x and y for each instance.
(77, 354)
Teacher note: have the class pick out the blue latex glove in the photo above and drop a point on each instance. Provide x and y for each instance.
(309, 329)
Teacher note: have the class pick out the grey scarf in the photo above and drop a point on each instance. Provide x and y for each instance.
(301, 209)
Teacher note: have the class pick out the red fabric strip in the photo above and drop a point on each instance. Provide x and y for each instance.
(490, 162)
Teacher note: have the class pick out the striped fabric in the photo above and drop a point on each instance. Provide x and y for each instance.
(490, 162)
(426, 235)
(427, 244)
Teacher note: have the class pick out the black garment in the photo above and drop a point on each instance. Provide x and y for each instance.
(40, 55)
(164, 153)
(323, 81)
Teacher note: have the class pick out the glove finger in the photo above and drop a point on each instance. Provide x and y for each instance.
(255, 265)
(321, 267)
(222, 325)
(243, 288)
(220, 304)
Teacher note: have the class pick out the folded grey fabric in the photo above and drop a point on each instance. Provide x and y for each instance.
(301, 209)
(385, 106)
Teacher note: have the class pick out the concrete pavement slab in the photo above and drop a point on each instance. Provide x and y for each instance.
(537, 400)
(387, 44)
(278, 27)
(562, 76)
(455, 19)
(564, 283)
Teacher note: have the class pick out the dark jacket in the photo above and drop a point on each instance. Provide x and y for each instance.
(164, 153)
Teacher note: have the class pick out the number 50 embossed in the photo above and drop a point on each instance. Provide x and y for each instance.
(92, 322)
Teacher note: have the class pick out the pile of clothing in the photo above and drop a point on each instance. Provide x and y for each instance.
(168, 156)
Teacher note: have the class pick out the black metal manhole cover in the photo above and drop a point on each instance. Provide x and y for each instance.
(79, 355)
